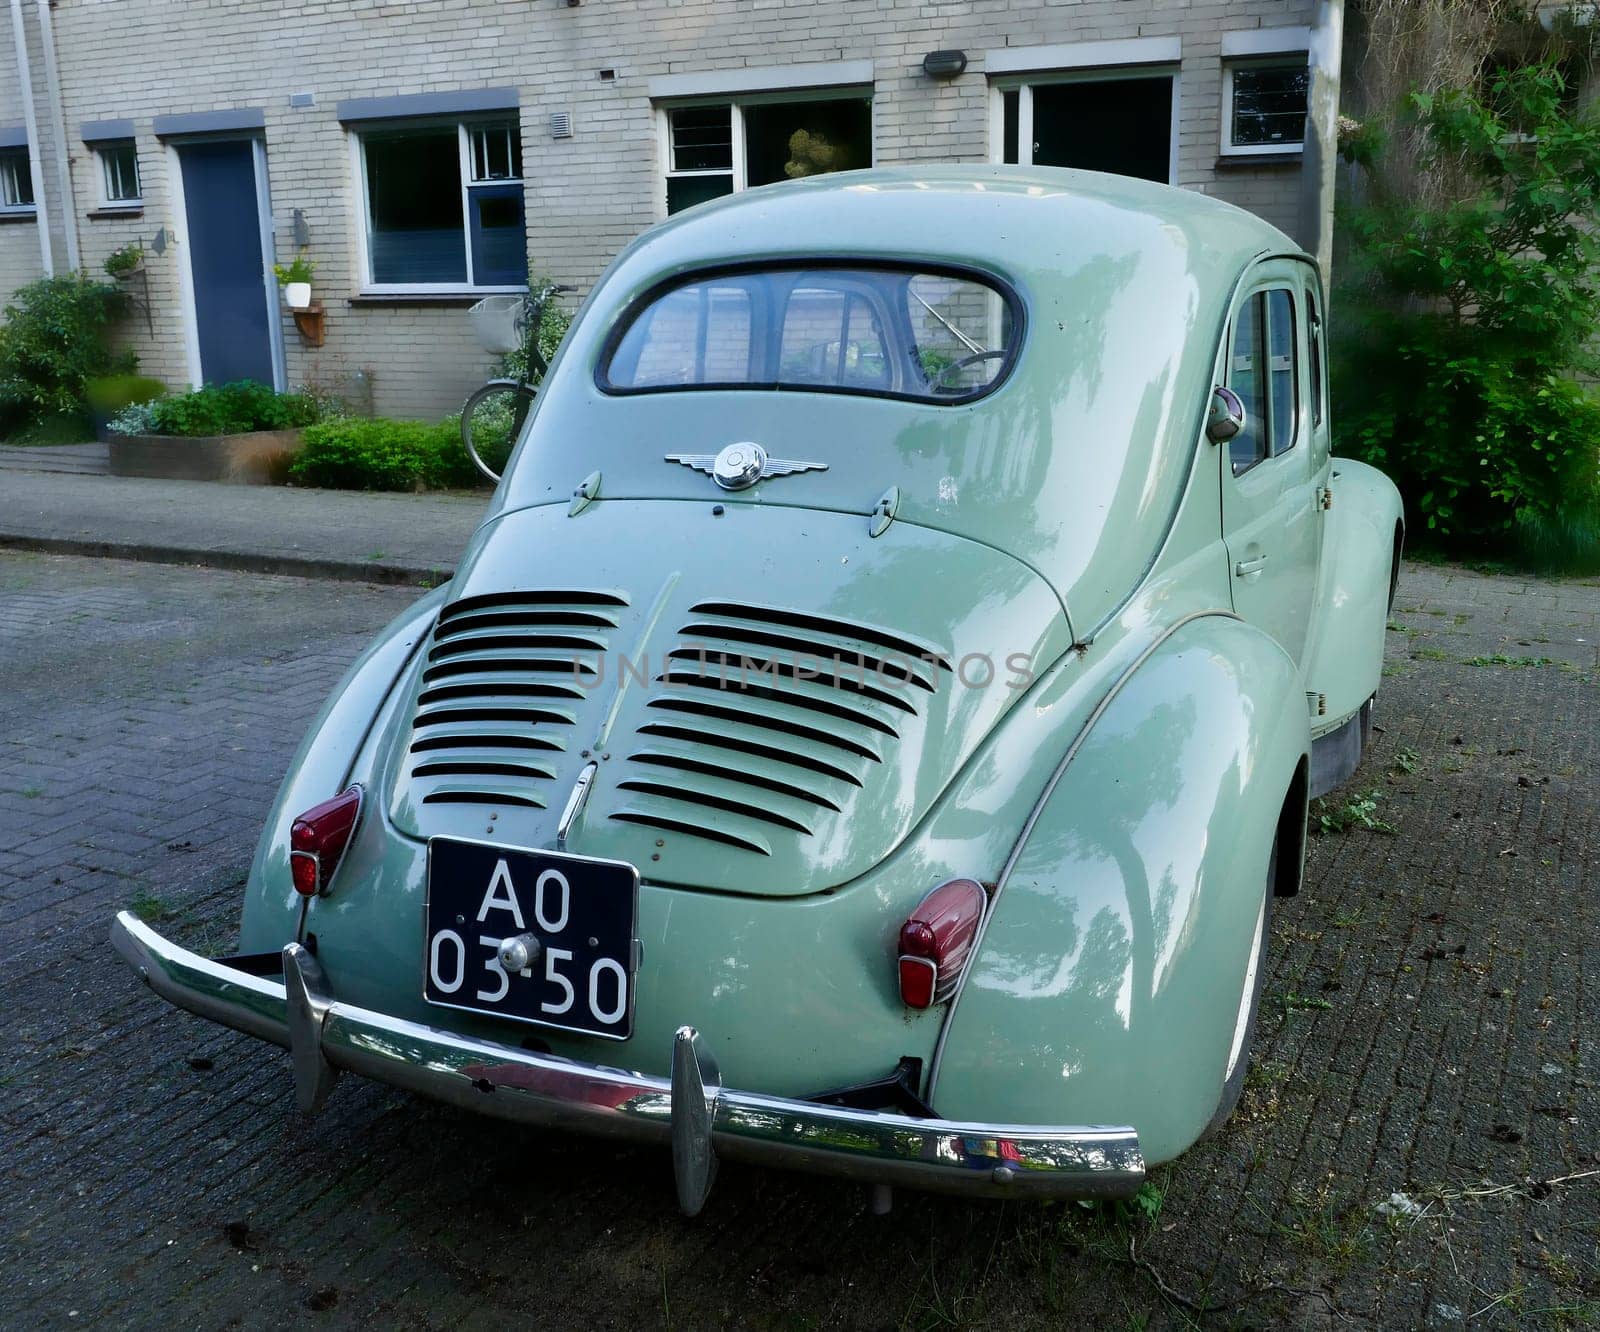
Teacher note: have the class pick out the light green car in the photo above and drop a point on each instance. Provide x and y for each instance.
(869, 727)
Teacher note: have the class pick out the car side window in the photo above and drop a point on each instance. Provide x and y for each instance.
(1285, 369)
(1318, 354)
(1247, 378)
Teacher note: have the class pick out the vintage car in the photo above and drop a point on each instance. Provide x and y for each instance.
(870, 726)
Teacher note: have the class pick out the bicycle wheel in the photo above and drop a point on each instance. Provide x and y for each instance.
(491, 423)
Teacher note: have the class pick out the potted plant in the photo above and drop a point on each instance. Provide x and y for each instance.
(295, 279)
(126, 261)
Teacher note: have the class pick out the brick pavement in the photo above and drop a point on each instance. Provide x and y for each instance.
(1424, 1031)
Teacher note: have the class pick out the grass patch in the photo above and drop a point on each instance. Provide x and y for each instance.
(1567, 544)
(1430, 654)
(1358, 811)
(1510, 663)
(149, 908)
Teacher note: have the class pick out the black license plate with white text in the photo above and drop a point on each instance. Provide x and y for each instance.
(574, 919)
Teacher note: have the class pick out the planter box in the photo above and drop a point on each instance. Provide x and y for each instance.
(256, 459)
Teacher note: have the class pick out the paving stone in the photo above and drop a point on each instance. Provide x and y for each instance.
(154, 709)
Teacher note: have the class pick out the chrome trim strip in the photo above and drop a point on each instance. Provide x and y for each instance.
(877, 1147)
(1033, 818)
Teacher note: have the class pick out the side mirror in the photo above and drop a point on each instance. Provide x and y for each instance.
(1226, 417)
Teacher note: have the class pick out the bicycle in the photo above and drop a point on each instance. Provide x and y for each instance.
(493, 416)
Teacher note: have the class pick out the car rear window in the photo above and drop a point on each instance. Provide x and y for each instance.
(929, 336)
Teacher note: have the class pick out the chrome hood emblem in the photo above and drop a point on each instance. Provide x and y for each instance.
(741, 465)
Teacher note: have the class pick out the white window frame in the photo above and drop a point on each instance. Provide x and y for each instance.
(104, 162)
(1284, 60)
(464, 125)
(15, 162)
(737, 104)
(1024, 84)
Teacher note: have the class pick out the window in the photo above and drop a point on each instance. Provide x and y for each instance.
(1263, 371)
(931, 337)
(1264, 106)
(16, 181)
(1047, 121)
(444, 204)
(1319, 354)
(715, 149)
(119, 173)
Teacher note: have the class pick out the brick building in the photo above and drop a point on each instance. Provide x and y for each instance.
(425, 154)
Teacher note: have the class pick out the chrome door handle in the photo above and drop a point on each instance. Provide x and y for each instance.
(1244, 568)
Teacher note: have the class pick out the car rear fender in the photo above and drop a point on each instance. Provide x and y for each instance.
(1361, 546)
(322, 767)
(1107, 983)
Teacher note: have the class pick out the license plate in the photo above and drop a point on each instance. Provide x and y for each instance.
(576, 917)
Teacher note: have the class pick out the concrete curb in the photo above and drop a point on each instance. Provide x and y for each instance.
(237, 561)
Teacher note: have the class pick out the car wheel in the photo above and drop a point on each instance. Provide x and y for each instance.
(1249, 1004)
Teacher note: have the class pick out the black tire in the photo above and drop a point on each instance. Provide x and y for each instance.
(1233, 1083)
(491, 423)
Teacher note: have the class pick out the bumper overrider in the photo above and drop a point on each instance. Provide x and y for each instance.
(692, 1112)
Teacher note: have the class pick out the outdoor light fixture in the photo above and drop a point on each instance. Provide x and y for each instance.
(944, 64)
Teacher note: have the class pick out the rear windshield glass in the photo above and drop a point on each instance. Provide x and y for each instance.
(929, 336)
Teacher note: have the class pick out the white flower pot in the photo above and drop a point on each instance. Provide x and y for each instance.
(298, 295)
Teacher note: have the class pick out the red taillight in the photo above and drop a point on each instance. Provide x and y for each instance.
(935, 941)
(318, 838)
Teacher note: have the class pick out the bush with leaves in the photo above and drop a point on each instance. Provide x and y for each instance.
(52, 341)
(553, 327)
(230, 409)
(373, 453)
(1464, 328)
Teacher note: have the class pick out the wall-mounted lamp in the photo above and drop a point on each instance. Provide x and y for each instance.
(302, 229)
(944, 64)
(158, 242)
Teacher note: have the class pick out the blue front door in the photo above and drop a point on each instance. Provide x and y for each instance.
(225, 261)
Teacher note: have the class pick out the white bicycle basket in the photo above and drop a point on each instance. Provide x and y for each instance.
(497, 323)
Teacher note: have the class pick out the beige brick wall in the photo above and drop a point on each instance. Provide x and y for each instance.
(587, 195)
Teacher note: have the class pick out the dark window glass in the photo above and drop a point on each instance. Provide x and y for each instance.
(414, 192)
(788, 140)
(1285, 370)
(1269, 106)
(16, 179)
(702, 138)
(1247, 378)
(935, 337)
(1118, 125)
(1010, 102)
(119, 164)
(1314, 323)
(499, 243)
(496, 151)
(687, 191)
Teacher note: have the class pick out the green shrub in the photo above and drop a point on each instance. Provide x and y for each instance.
(109, 394)
(125, 260)
(1463, 328)
(357, 453)
(52, 341)
(231, 409)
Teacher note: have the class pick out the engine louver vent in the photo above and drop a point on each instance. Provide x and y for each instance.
(499, 691)
(765, 720)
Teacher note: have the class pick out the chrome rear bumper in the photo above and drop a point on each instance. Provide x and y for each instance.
(691, 1111)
